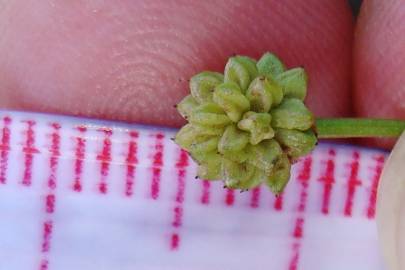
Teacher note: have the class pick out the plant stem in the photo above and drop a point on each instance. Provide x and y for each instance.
(358, 127)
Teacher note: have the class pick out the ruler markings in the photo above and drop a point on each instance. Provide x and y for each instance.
(181, 166)
(131, 162)
(229, 197)
(205, 192)
(328, 179)
(352, 183)
(29, 151)
(50, 197)
(80, 150)
(379, 160)
(255, 197)
(278, 202)
(298, 232)
(5, 149)
(105, 160)
(157, 165)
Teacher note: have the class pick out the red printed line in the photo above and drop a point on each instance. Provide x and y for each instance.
(352, 184)
(178, 210)
(205, 196)
(29, 151)
(131, 163)
(298, 232)
(230, 197)
(181, 166)
(50, 198)
(328, 178)
(298, 229)
(79, 158)
(373, 193)
(278, 202)
(254, 201)
(296, 255)
(174, 241)
(5, 148)
(44, 265)
(155, 187)
(156, 165)
(47, 233)
(105, 159)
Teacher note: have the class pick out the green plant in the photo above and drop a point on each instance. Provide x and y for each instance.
(248, 125)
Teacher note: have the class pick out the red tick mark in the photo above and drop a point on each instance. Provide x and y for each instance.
(205, 196)
(254, 200)
(131, 163)
(5, 148)
(298, 232)
(328, 178)
(105, 159)
(79, 158)
(50, 198)
(156, 165)
(29, 151)
(230, 197)
(373, 192)
(278, 202)
(352, 183)
(181, 166)
(174, 241)
(294, 260)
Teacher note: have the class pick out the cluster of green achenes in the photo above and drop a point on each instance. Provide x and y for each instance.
(248, 125)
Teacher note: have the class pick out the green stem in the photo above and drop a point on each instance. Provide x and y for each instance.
(358, 127)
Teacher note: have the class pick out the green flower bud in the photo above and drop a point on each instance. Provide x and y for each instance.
(186, 106)
(294, 83)
(209, 114)
(296, 143)
(259, 94)
(210, 165)
(240, 70)
(269, 65)
(210, 170)
(292, 114)
(229, 97)
(237, 156)
(209, 130)
(236, 174)
(255, 179)
(247, 127)
(203, 84)
(210, 144)
(258, 125)
(276, 92)
(264, 155)
(233, 140)
(279, 176)
(192, 140)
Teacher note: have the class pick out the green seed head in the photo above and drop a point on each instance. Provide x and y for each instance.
(247, 126)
